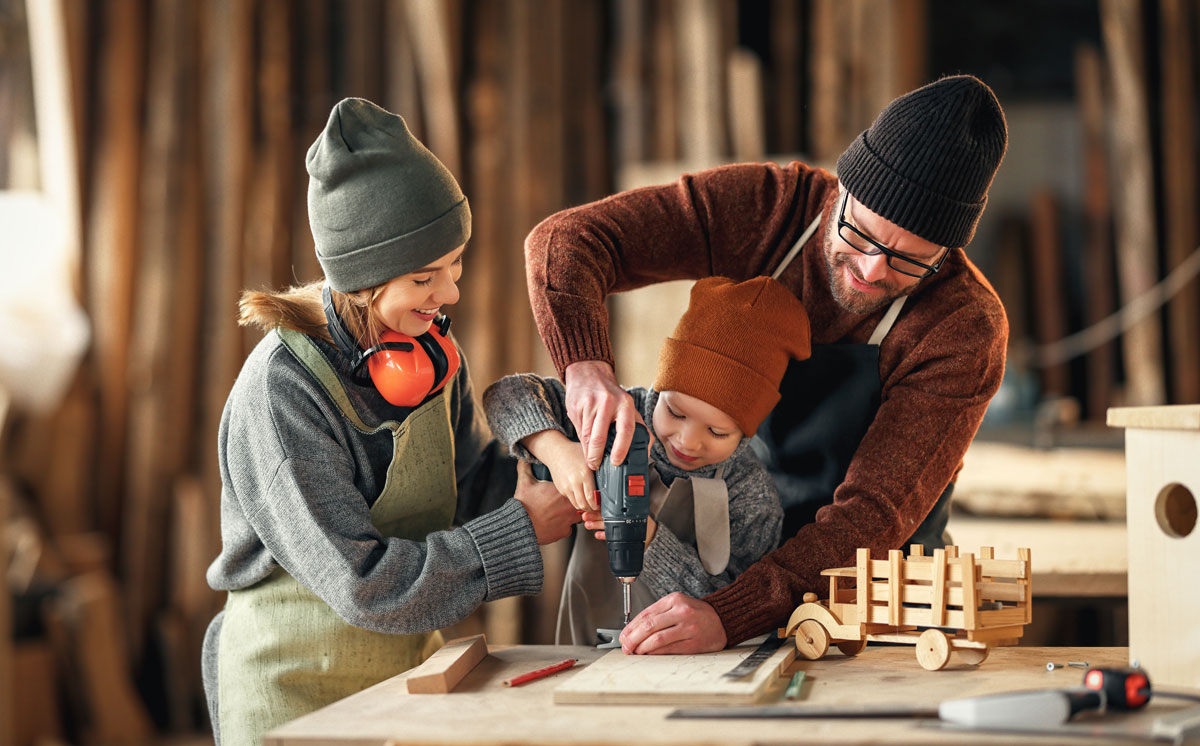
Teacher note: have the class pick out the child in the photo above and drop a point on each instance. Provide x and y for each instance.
(715, 511)
(350, 446)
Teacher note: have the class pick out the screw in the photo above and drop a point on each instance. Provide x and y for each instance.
(1052, 666)
(1077, 664)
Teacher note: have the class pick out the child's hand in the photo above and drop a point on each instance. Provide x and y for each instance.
(594, 521)
(551, 514)
(568, 468)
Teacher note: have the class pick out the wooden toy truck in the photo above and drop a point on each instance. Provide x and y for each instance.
(940, 603)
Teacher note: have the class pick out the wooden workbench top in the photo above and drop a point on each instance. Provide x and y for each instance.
(482, 711)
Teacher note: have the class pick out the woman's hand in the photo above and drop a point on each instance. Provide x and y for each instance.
(594, 521)
(551, 514)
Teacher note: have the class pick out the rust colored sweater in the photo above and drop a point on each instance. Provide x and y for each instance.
(939, 366)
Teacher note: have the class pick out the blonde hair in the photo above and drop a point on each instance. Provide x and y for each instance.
(300, 308)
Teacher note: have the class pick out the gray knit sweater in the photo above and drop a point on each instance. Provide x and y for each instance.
(298, 482)
(521, 405)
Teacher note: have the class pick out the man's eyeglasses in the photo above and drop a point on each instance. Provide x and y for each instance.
(864, 244)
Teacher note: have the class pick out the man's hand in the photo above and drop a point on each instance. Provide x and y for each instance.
(552, 514)
(674, 625)
(594, 401)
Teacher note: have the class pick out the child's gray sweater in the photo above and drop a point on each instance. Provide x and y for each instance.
(521, 405)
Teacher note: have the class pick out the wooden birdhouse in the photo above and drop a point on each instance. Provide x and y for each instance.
(1162, 467)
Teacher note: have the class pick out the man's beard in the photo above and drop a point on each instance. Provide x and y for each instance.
(847, 297)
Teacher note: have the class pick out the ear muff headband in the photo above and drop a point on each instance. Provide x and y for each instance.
(404, 370)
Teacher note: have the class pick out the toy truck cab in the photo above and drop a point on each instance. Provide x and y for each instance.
(939, 603)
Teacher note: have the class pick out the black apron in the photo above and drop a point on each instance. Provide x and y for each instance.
(827, 403)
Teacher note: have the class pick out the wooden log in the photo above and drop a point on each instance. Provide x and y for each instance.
(112, 230)
(1121, 24)
(1180, 192)
(442, 671)
(1097, 250)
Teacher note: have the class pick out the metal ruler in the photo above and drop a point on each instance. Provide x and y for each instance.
(751, 662)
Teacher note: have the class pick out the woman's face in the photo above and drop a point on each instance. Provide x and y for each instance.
(409, 303)
(693, 432)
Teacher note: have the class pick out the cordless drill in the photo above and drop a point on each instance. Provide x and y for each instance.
(624, 497)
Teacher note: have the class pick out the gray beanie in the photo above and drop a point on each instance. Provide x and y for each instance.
(379, 203)
(927, 161)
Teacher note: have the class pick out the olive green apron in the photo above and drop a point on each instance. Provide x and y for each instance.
(696, 510)
(283, 651)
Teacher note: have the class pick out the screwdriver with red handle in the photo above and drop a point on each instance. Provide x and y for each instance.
(1103, 689)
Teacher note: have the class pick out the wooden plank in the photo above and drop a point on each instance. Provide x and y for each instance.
(1025, 555)
(442, 671)
(970, 597)
(1180, 193)
(617, 679)
(430, 38)
(1000, 618)
(863, 582)
(788, 84)
(826, 138)
(112, 231)
(895, 580)
(927, 595)
(938, 601)
(1097, 207)
(1175, 417)
(665, 81)
(747, 131)
(1050, 313)
(1121, 24)
(701, 113)
(916, 616)
(628, 91)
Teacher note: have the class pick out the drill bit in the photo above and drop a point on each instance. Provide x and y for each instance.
(625, 598)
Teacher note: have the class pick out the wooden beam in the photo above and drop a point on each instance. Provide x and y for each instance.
(1050, 313)
(1121, 23)
(436, 69)
(442, 671)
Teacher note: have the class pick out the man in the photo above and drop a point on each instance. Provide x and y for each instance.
(908, 337)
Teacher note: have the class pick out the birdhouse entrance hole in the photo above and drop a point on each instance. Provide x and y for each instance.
(1175, 510)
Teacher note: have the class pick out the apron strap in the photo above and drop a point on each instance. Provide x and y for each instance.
(792, 252)
(885, 324)
(306, 353)
(711, 500)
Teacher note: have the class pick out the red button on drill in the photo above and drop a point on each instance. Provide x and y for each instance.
(637, 485)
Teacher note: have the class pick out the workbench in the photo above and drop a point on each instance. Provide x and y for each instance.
(482, 711)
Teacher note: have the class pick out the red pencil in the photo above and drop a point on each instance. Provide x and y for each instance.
(563, 666)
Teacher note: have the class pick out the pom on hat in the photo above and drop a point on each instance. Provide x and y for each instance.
(379, 203)
(929, 158)
(732, 346)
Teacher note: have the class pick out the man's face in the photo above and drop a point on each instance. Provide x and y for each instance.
(861, 283)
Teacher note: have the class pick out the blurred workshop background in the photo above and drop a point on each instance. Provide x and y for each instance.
(152, 166)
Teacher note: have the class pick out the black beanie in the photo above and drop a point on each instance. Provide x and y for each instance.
(927, 161)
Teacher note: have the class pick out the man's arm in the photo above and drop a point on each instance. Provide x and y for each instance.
(735, 221)
(932, 406)
(929, 414)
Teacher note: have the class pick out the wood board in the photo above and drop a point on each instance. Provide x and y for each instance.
(620, 679)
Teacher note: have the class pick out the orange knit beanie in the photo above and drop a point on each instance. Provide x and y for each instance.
(732, 346)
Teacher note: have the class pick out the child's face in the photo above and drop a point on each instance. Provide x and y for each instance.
(694, 433)
(409, 303)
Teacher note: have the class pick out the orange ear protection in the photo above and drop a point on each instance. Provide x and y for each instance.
(404, 369)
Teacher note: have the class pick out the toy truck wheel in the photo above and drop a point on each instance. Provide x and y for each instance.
(933, 649)
(812, 640)
(972, 656)
(851, 648)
